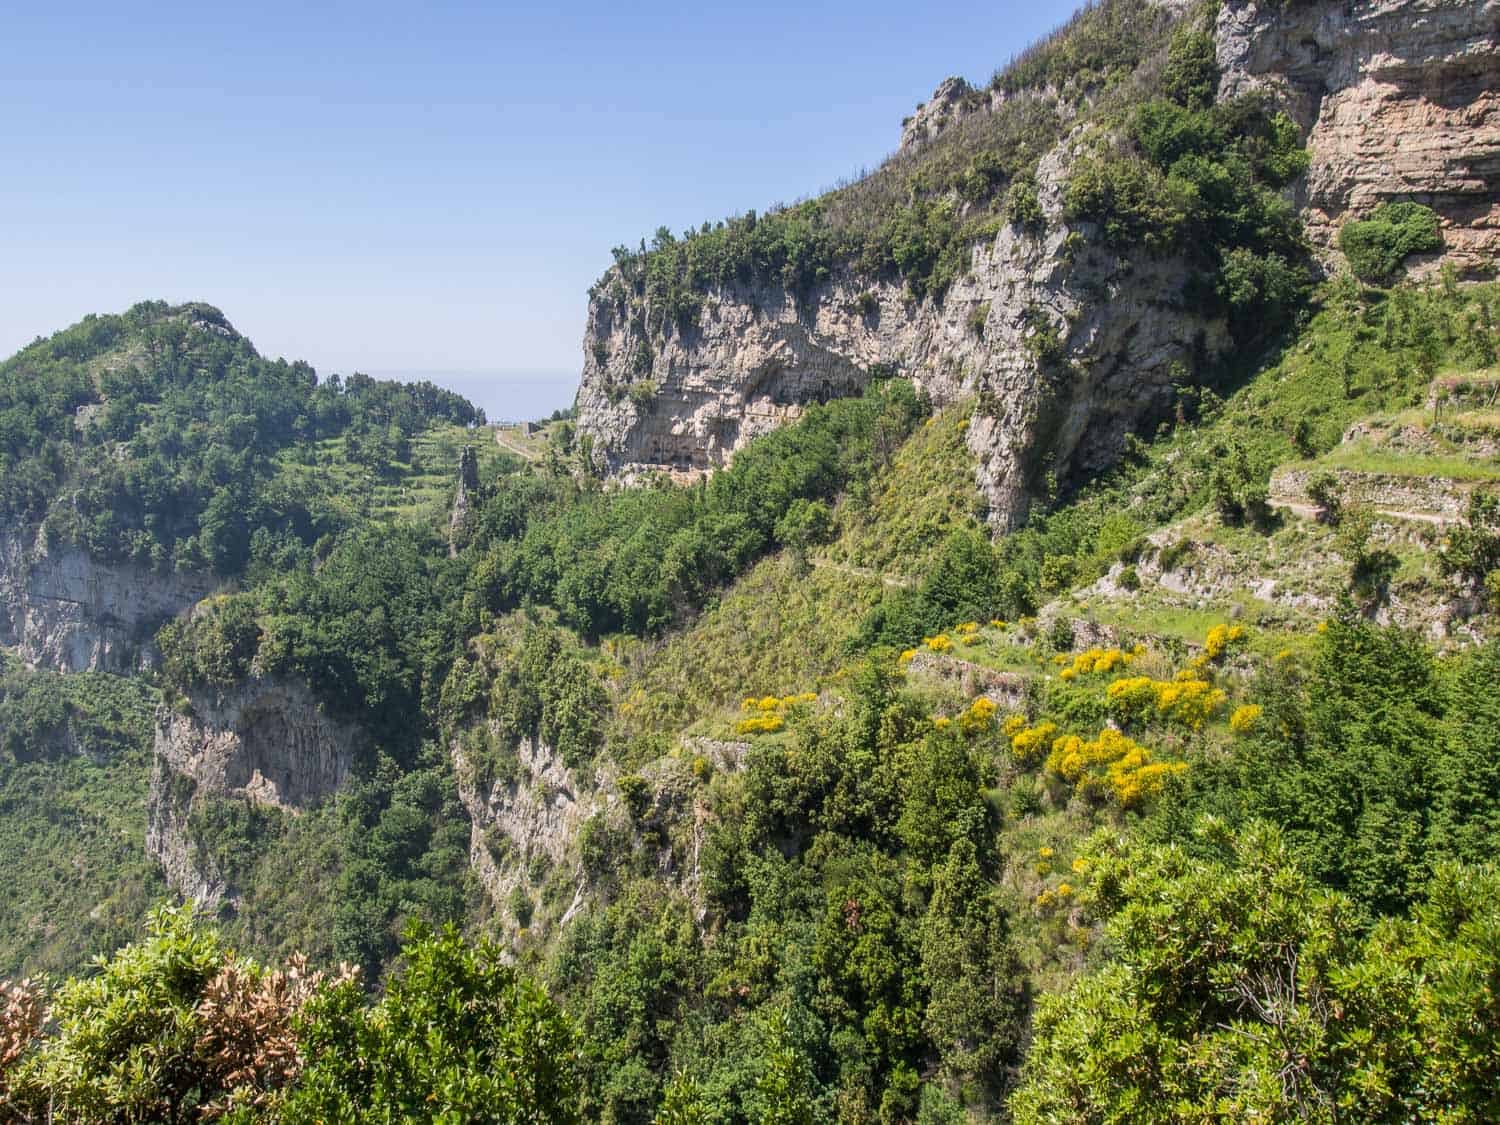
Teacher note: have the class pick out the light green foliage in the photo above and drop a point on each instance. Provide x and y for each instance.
(1377, 246)
(458, 1036)
(1238, 988)
(136, 1043)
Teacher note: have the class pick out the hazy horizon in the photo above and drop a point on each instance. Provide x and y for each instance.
(504, 395)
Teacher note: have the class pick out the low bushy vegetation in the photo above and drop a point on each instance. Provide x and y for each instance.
(1377, 246)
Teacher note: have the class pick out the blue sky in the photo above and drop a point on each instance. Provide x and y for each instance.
(429, 187)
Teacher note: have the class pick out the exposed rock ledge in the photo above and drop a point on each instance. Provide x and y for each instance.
(68, 612)
(263, 740)
(759, 355)
(1401, 99)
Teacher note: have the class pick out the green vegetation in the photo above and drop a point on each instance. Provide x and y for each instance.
(1240, 988)
(794, 795)
(75, 754)
(1377, 246)
(918, 215)
(178, 1027)
(158, 436)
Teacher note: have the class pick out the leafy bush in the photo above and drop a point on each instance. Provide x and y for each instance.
(1377, 246)
(1239, 986)
(458, 1035)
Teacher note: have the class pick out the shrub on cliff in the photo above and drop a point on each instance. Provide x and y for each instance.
(1377, 246)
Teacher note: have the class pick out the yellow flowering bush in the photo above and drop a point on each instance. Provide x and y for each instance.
(1044, 851)
(1185, 699)
(997, 623)
(1068, 674)
(1027, 745)
(967, 628)
(907, 655)
(942, 722)
(1112, 763)
(767, 713)
(979, 717)
(939, 643)
(1243, 719)
(1221, 638)
(1014, 725)
(1100, 660)
(1080, 865)
(765, 723)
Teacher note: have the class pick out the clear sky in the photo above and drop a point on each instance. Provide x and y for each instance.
(429, 187)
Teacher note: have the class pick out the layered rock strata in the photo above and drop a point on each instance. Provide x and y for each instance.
(1067, 348)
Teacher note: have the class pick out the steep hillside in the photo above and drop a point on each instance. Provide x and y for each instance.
(146, 458)
(1068, 246)
(1006, 641)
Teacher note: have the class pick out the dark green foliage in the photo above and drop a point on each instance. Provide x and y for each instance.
(546, 693)
(1371, 763)
(175, 459)
(1192, 73)
(1204, 181)
(405, 856)
(635, 561)
(965, 583)
(1377, 246)
(1472, 549)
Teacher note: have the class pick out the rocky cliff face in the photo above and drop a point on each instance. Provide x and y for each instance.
(68, 612)
(524, 829)
(265, 741)
(1112, 333)
(1066, 347)
(1401, 100)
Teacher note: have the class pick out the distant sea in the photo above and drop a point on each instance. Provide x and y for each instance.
(505, 396)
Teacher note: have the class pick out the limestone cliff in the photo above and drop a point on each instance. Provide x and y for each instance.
(266, 741)
(524, 828)
(1401, 100)
(1066, 346)
(1113, 333)
(69, 612)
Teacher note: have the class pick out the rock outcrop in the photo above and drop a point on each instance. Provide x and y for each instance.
(1401, 100)
(526, 826)
(71, 613)
(1066, 347)
(951, 102)
(265, 741)
(464, 501)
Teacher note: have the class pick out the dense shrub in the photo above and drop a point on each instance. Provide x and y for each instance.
(1377, 246)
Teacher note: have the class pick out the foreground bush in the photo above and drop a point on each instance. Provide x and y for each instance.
(178, 1027)
(1240, 990)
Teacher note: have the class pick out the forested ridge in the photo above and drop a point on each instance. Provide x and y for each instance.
(796, 795)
